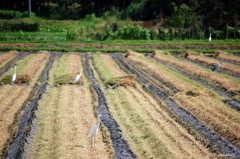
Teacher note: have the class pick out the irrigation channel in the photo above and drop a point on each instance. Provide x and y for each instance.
(120, 143)
(216, 88)
(208, 137)
(16, 147)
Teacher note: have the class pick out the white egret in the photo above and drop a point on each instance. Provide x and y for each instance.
(210, 38)
(217, 66)
(76, 79)
(94, 130)
(14, 76)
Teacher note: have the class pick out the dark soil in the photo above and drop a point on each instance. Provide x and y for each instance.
(208, 137)
(213, 86)
(15, 149)
(120, 143)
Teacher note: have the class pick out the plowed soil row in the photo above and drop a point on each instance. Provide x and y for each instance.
(196, 99)
(120, 143)
(230, 58)
(195, 127)
(149, 128)
(15, 148)
(232, 97)
(10, 106)
(65, 117)
(226, 68)
(230, 85)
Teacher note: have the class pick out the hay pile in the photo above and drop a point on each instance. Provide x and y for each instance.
(25, 78)
(188, 53)
(219, 53)
(128, 80)
(128, 53)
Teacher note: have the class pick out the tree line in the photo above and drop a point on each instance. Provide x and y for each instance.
(179, 14)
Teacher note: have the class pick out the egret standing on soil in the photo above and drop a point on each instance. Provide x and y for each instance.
(76, 79)
(210, 38)
(217, 66)
(94, 130)
(14, 76)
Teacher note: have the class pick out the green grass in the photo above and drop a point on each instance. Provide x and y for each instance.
(174, 73)
(58, 73)
(104, 71)
(7, 79)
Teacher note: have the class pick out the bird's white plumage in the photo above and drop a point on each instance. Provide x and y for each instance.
(78, 77)
(210, 38)
(14, 76)
(94, 130)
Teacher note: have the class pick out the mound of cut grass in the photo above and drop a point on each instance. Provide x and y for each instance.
(128, 80)
(6, 79)
(19, 80)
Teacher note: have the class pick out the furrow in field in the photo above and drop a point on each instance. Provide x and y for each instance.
(228, 83)
(223, 85)
(16, 147)
(209, 63)
(151, 131)
(149, 128)
(195, 127)
(201, 102)
(10, 105)
(120, 143)
(64, 120)
(227, 57)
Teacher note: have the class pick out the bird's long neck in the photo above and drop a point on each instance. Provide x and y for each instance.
(15, 69)
(80, 72)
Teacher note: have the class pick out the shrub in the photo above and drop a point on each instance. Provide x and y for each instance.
(10, 14)
(10, 26)
(161, 33)
(72, 34)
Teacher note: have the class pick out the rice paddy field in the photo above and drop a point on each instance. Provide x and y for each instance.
(152, 105)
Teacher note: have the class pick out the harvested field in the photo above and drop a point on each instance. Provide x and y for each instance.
(233, 69)
(227, 57)
(6, 57)
(32, 65)
(64, 125)
(152, 106)
(201, 102)
(9, 108)
(229, 83)
(138, 112)
(65, 69)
